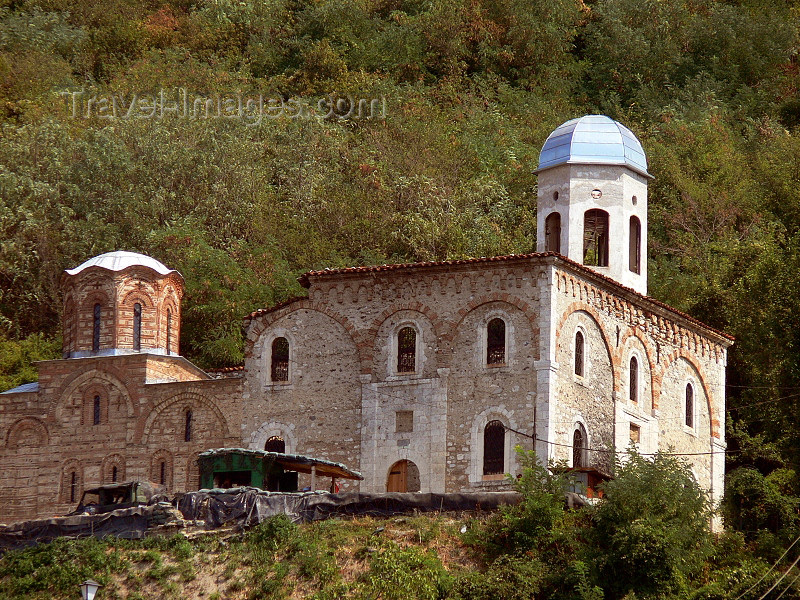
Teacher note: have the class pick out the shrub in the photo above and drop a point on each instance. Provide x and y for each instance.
(529, 524)
(509, 577)
(652, 531)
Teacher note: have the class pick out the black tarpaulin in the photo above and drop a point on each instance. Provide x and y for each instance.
(128, 523)
(249, 506)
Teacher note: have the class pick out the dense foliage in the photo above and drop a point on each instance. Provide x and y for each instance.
(471, 90)
(649, 539)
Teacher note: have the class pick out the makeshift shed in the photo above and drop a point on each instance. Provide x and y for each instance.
(224, 468)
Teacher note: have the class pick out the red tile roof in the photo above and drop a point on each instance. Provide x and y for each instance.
(305, 279)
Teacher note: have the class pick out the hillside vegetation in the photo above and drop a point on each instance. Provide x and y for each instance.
(471, 89)
(649, 539)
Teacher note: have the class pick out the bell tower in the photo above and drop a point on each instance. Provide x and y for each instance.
(592, 198)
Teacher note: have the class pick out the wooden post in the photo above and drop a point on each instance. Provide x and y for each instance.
(313, 477)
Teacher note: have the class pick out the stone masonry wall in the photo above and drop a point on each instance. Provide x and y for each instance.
(451, 395)
(671, 350)
(47, 436)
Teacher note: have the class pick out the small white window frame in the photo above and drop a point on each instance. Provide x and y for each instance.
(582, 379)
(395, 343)
(267, 351)
(695, 397)
(639, 374)
(587, 453)
(484, 341)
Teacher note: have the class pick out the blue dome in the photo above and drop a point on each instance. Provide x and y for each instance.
(594, 140)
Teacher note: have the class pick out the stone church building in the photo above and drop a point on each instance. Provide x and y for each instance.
(424, 377)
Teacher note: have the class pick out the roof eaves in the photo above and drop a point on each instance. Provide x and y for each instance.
(305, 279)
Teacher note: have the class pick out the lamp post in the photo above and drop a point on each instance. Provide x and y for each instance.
(89, 589)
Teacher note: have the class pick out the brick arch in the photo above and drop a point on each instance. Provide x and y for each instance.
(171, 284)
(701, 375)
(169, 467)
(632, 332)
(101, 297)
(441, 330)
(613, 356)
(260, 323)
(27, 423)
(266, 430)
(131, 297)
(87, 402)
(108, 374)
(107, 468)
(67, 467)
(440, 327)
(526, 309)
(144, 425)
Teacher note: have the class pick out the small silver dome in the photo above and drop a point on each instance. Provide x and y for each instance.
(121, 260)
(593, 139)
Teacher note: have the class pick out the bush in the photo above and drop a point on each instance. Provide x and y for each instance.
(509, 577)
(529, 524)
(652, 531)
(397, 573)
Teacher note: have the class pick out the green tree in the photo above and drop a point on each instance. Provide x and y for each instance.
(652, 530)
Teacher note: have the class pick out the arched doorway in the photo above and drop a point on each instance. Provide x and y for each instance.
(403, 477)
(275, 444)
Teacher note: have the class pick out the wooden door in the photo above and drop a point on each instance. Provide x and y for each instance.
(397, 481)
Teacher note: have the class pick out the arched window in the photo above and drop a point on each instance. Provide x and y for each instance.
(280, 359)
(494, 446)
(552, 233)
(96, 328)
(73, 486)
(275, 444)
(496, 342)
(96, 414)
(407, 350)
(633, 379)
(595, 238)
(187, 429)
(114, 474)
(579, 354)
(169, 330)
(689, 405)
(635, 246)
(579, 447)
(137, 326)
(162, 472)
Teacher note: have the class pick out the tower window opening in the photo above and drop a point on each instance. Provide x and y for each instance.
(689, 405)
(114, 474)
(96, 328)
(595, 238)
(137, 326)
(552, 233)
(633, 376)
(635, 246)
(162, 473)
(496, 342)
(407, 350)
(169, 329)
(280, 359)
(96, 411)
